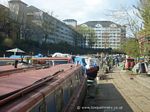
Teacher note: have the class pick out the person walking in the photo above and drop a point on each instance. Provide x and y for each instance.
(16, 64)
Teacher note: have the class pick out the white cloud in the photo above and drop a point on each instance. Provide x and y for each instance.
(93, 3)
(4, 2)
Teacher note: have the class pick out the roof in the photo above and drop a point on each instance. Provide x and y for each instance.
(13, 1)
(18, 81)
(2, 6)
(33, 9)
(103, 23)
(4, 9)
(70, 20)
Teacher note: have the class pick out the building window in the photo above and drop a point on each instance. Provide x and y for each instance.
(98, 25)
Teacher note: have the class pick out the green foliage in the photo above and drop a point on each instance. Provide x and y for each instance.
(89, 33)
(146, 51)
(144, 10)
(1, 37)
(8, 42)
(82, 29)
(117, 51)
(131, 48)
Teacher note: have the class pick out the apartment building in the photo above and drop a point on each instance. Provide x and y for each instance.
(71, 22)
(53, 30)
(38, 25)
(35, 24)
(18, 13)
(107, 34)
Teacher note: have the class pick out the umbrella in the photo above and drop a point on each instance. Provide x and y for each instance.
(15, 50)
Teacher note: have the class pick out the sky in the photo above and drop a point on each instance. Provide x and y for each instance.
(82, 10)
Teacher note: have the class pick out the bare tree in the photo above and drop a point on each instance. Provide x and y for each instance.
(129, 18)
(48, 25)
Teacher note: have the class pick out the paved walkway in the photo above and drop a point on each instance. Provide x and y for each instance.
(119, 92)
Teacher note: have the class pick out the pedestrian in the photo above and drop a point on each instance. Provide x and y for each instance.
(16, 63)
(21, 59)
(116, 61)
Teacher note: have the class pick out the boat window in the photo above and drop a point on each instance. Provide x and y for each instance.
(59, 100)
(60, 62)
(66, 92)
(71, 88)
(50, 63)
(51, 106)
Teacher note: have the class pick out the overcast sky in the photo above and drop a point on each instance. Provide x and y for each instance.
(81, 10)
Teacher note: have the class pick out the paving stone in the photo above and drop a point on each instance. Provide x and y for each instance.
(118, 91)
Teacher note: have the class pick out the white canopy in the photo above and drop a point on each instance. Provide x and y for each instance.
(15, 50)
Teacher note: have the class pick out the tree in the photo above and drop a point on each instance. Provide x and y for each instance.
(8, 42)
(88, 33)
(140, 16)
(144, 14)
(129, 18)
(147, 48)
(48, 25)
(7, 27)
(33, 31)
(144, 11)
(131, 47)
(4, 14)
